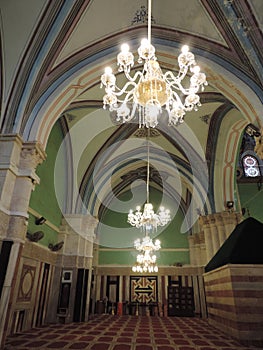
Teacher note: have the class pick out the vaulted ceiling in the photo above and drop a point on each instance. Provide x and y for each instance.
(54, 52)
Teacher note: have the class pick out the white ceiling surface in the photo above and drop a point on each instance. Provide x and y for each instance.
(257, 7)
(100, 19)
(103, 18)
(18, 20)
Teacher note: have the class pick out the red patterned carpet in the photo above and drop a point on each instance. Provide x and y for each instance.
(107, 332)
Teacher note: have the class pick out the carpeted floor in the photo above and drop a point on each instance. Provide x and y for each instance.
(107, 332)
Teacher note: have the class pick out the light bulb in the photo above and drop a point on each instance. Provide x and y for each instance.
(185, 49)
(108, 70)
(125, 48)
(196, 69)
(144, 42)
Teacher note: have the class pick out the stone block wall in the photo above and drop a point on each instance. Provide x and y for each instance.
(234, 295)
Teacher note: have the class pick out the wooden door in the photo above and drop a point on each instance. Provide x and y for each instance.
(81, 296)
(42, 296)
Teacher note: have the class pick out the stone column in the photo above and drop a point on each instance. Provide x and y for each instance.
(192, 250)
(97, 287)
(199, 243)
(127, 287)
(89, 225)
(230, 221)
(18, 162)
(214, 233)
(78, 232)
(205, 224)
(221, 229)
(121, 289)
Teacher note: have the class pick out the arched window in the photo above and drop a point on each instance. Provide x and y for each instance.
(250, 166)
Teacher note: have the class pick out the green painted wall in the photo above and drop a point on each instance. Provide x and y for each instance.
(50, 235)
(117, 245)
(251, 198)
(43, 198)
(122, 257)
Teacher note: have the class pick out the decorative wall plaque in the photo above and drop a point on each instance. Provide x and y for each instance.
(26, 283)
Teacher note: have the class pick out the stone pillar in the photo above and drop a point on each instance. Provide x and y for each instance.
(121, 289)
(205, 224)
(97, 287)
(18, 162)
(230, 221)
(127, 288)
(78, 233)
(221, 230)
(214, 230)
(192, 250)
(214, 233)
(197, 247)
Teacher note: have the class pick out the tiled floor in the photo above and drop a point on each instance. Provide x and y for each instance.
(107, 332)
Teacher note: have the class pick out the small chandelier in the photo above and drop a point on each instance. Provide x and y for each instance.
(148, 221)
(147, 92)
(146, 260)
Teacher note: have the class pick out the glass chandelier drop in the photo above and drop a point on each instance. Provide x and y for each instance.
(149, 90)
(148, 221)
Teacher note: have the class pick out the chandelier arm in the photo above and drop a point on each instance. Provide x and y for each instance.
(183, 72)
(173, 80)
(179, 86)
(123, 90)
(134, 78)
(169, 76)
(128, 96)
(127, 119)
(177, 98)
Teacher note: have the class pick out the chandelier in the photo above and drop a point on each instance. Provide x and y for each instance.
(149, 90)
(148, 221)
(146, 260)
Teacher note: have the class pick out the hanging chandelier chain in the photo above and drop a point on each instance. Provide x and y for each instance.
(148, 167)
(145, 96)
(148, 220)
(149, 20)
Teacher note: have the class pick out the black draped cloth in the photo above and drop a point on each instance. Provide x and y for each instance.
(243, 246)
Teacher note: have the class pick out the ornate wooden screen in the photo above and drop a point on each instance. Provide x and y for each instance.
(143, 289)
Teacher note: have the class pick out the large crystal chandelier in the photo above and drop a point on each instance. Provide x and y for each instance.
(147, 92)
(148, 221)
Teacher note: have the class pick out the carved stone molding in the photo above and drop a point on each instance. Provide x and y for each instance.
(79, 224)
(32, 154)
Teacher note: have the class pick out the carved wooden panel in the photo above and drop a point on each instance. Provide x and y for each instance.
(143, 289)
(26, 283)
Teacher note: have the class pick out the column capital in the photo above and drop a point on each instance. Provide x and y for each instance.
(80, 224)
(32, 154)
